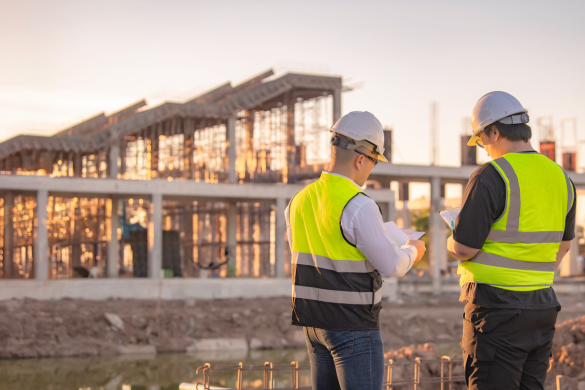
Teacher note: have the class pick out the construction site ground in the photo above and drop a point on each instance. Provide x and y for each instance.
(80, 328)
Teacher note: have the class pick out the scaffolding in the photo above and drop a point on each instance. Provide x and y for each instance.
(281, 136)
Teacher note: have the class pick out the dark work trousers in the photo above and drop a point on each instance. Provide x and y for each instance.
(507, 349)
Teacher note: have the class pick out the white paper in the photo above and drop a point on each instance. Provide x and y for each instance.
(450, 216)
(401, 236)
(413, 234)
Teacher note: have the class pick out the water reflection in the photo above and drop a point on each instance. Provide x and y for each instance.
(160, 372)
(155, 372)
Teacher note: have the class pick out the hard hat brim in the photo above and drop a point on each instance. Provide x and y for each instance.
(473, 141)
(382, 158)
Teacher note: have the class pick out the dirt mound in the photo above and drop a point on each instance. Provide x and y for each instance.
(72, 327)
(426, 352)
(568, 355)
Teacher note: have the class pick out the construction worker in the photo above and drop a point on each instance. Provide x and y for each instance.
(515, 226)
(340, 250)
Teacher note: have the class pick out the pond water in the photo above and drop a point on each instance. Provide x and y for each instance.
(157, 372)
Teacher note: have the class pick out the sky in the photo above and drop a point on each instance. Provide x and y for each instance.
(63, 61)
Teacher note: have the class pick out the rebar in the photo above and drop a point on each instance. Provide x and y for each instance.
(294, 368)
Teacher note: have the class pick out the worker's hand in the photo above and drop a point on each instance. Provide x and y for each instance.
(420, 247)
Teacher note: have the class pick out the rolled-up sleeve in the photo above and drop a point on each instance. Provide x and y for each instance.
(363, 226)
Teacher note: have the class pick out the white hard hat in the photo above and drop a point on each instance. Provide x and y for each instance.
(496, 106)
(363, 126)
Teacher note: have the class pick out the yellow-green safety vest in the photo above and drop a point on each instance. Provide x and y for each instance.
(334, 286)
(520, 251)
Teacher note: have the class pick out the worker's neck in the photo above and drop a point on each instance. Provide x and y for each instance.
(343, 171)
(514, 147)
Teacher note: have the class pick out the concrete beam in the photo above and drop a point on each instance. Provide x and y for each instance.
(112, 237)
(172, 288)
(40, 237)
(187, 189)
(423, 173)
(279, 242)
(155, 242)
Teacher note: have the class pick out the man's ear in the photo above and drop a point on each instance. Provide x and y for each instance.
(496, 132)
(358, 161)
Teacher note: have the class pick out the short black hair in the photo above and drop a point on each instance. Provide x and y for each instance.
(519, 132)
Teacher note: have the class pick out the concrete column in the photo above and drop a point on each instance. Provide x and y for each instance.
(231, 139)
(434, 244)
(154, 256)
(443, 234)
(336, 105)
(279, 242)
(77, 166)
(391, 211)
(8, 235)
(188, 266)
(113, 155)
(405, 215)
(41, 237)
(112, 237)
(231, 213)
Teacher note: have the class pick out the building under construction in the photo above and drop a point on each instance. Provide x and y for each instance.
(183, 190)
(265, 130)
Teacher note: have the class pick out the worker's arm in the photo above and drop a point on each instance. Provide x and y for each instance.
(459, 251)
(288, 229)
(569, 233)
(363, 227)
(563, 249)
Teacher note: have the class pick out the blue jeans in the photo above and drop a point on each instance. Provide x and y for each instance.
(345, 359)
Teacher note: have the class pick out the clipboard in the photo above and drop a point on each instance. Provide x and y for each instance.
(450, 216)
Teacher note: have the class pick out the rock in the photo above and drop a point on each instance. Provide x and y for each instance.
(247, 312)
(218, 345)
(410, 316)
(581, 385)
(12, 305)
(190, 302)
(235, 316)
(255, 343)
(58, 320)
(114, 320)
(137, 350)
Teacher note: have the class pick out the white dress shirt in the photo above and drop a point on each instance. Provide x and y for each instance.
(362, 226)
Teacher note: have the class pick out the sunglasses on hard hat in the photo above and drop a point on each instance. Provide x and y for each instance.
(368, 157)
(479, 140)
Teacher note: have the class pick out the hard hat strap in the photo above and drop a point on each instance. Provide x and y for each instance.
(515, 119)
(346, 144)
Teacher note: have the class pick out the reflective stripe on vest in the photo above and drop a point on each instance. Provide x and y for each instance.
(524, 260)
(334, 296)
(334, 265)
